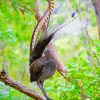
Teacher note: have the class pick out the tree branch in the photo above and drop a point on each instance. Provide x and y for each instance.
(96, 4)
(18, 86)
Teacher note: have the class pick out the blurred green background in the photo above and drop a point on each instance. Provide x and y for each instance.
(17, 21)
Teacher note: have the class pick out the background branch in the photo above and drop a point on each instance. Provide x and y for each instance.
(96, 4)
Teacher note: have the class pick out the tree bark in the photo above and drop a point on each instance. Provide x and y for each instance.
(96, 4)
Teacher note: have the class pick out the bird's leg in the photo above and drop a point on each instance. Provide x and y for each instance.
(40, 84)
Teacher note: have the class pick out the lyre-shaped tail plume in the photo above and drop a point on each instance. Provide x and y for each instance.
(59, 27)
(43, 42)
(42, 21)
(39, 48)
(36, 49)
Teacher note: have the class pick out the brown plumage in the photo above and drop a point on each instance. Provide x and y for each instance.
(42, 67)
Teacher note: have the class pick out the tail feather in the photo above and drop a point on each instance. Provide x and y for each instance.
(38, 50)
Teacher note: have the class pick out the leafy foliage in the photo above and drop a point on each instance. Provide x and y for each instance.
(16, 25)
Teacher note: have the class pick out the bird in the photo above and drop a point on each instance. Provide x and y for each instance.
(42, 63)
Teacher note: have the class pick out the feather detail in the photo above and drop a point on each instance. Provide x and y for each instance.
(42, 21)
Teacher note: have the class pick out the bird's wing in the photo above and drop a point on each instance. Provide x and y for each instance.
(36, 69)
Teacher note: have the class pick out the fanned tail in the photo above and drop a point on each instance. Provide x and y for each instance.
(42, 21)
(38, 50)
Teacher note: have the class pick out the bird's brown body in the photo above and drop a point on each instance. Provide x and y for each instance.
(42, 69)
